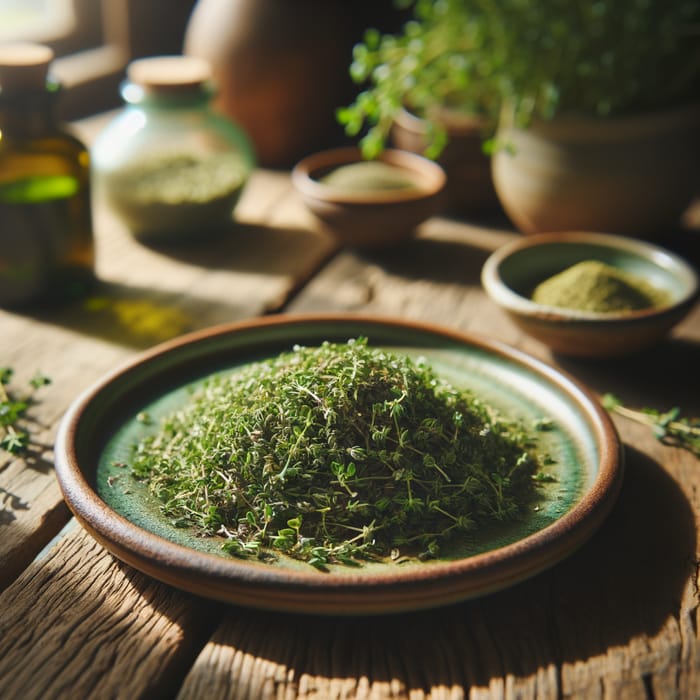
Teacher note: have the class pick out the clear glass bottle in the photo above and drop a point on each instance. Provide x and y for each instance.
(46, 242)
(168, 165)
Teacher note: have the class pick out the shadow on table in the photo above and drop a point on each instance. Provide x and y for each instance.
(664, 375)
(253, 248)
(455, 262)
(138, 317)
(626, 582)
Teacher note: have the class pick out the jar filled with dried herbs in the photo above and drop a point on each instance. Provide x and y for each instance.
(168, 165)
(336, 454)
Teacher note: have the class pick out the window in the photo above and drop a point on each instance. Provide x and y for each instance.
(36, 20)
(94, 40)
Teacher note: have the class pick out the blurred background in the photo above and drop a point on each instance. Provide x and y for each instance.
(281, 68)
(94, 40)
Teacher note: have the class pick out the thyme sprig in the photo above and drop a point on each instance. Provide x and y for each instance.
(669, 427)
(335, 454)
(14, 438)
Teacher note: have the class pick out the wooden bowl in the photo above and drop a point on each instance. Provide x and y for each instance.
(371, 217)
(512, 272)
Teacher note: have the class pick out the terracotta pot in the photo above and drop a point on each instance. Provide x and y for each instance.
(282, 67)
(634, 176)
(469, 183)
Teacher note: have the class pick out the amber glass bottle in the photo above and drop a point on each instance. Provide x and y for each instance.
(46, 242)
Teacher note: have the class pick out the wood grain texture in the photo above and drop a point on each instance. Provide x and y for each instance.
(617, 619)
(102, 630)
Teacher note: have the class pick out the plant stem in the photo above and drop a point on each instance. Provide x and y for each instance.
(649, 419)
(668, 427)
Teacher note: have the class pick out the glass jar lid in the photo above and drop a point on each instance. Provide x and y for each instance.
(166, 74)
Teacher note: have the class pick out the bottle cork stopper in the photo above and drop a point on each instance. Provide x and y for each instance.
(24, 66)
(169, 73)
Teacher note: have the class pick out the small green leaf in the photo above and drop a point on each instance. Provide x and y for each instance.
(294, 523)
(611, 402)
(14, 442)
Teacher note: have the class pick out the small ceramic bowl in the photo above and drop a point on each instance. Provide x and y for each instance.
(365, 215)
(510, 275)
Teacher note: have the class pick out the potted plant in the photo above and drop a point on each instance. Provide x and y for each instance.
(420, 93)
(548, 79)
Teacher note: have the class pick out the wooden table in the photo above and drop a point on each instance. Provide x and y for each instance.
(617, 619)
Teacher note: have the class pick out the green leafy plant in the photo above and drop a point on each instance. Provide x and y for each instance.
(670, 427)
(531, 58)
(14, 437)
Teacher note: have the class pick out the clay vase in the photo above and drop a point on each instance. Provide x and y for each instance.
(470, 187)
(282, 67)
(633, 176)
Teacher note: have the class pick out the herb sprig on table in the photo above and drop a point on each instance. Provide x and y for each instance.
(13, 407)
(334, 454)
(669, 427)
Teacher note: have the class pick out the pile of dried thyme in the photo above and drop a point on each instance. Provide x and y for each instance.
(335, 454)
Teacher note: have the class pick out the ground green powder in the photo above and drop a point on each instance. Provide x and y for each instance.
(369, 175)
(592, 285)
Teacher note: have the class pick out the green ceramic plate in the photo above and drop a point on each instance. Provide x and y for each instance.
(101, 426)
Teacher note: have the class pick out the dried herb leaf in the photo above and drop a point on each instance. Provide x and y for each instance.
(13, 437)
(669, 427)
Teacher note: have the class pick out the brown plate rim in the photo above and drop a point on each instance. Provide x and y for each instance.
(262, 586)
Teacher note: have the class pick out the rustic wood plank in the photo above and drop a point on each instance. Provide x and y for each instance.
(31, 508)
(439, 654)
(31, 504)
(102, 629)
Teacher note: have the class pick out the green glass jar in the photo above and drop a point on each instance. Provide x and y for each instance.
(46, 241)
(169, 166)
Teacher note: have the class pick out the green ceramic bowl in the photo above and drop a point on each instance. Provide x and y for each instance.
(98, 432)
(510, 275)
